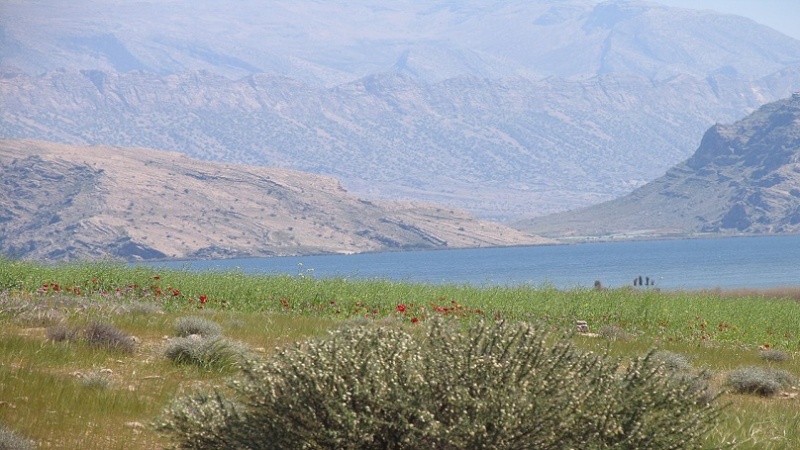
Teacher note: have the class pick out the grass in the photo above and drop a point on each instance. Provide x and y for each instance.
(45, 395)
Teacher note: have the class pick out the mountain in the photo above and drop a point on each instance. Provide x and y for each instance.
(434, 40)
(743, 179)
(61, 202)
(502, 108)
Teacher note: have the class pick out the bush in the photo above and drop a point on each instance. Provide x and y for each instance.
(614, 333)
(9, 440)
(493, 385)
(759, 380)
(96, 380)
(772, 355)
(673, 361)
(205, 352)
(187, 326)
(106, 336)
(61, 333)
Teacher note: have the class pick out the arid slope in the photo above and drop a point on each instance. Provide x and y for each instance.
(62, 202)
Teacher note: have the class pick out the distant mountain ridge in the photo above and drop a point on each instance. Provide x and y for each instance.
(60, 202)
(334, 43)
(502, 108)
(500, 149)
(743, 179)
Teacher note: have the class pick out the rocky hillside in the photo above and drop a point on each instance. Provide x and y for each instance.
(60, 202)
(498, 148)
(743, 179)
(570, 103)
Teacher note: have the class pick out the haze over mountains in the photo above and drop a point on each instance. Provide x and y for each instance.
(505, 108)
(743, 179)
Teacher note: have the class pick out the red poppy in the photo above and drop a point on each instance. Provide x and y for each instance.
(401, 308)
(414, 320)
(203, 298)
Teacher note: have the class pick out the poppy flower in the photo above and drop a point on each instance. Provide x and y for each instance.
(401, 308)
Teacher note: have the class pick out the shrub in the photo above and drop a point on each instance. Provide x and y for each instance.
(672, 361)
(9, 440)
(759, 380)
(96, 380)
(614, 333)
(61, 333)
(493, 385)
(772, 355)
(205, 352)
(106, 336)
(187, 326)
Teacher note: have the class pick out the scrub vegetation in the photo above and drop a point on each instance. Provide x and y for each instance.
(107, 356)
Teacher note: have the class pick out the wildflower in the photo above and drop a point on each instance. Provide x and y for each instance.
(203, 298)
(401, 308)
(415, 320)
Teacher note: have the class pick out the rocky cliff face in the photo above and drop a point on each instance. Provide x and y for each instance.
(61, 202)
(744, 178)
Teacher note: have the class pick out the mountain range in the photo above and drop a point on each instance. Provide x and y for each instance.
(507, 109)
(744, 179)
(62, 202)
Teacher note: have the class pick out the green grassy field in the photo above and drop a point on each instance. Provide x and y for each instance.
(73, 395)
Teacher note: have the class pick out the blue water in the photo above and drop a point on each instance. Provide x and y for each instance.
(755, 262)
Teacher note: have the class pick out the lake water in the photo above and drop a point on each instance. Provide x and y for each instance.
(755, 262)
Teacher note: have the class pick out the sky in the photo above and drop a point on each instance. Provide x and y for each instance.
(782, 15)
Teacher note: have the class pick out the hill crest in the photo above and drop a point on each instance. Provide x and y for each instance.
(61, 202)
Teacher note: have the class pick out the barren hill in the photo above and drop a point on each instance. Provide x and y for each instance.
(65, 202)
(743, 179)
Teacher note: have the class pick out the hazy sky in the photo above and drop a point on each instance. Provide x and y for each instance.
(782, 15)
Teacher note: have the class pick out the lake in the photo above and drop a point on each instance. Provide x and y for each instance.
(756, 262)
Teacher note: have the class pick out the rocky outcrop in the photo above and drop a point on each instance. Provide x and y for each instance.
(743, 179)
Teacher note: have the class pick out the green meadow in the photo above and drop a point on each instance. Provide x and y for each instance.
(71, 393)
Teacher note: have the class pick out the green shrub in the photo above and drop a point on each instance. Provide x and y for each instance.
(493, 385)
(187, 326)
(759, 380)
(109, 337)
(9, 440)
(205, 352)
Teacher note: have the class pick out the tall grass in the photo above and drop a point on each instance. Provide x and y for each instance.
(676, 316)
(45, 399)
